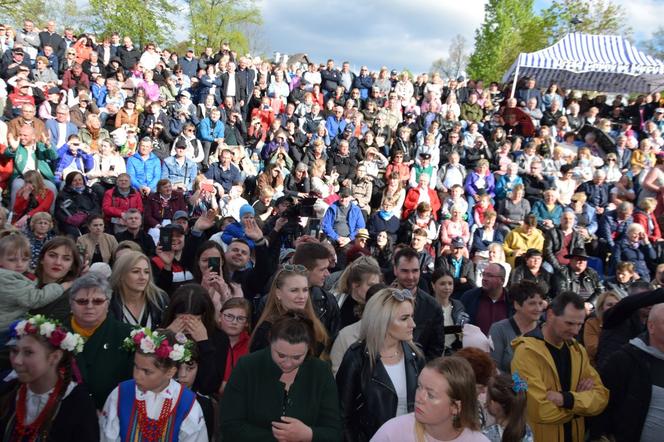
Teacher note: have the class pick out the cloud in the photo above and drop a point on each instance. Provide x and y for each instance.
(393, 33)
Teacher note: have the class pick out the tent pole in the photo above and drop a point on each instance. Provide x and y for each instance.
(516, 77)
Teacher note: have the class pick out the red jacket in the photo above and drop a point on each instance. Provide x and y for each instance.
(402, 169)
(43, 205)
(642, 218)
(413, 196)
(235, 352)
(115, 205)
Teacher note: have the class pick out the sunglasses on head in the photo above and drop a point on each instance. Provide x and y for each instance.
(294, 268)
(402, 295)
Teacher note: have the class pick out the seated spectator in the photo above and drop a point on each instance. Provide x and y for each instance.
(60, 128)
(480, 178)
(423, 167)
(32, 198)
(342, 163)
(531, 270)
(398, 166)
(224, 172)
(144, 168)
(453, 228)
(613, 225)
(422, 193)
(459, 266)
(73, 157)
(178, 169)
(548, 210)
(597, 191)
(39, 231)
(454, 198)
(211, 133)
(342, 219)
(645, 215)
(485, 235)
(297, 184)
(621, 282)
(79, 112)
(506, 183)
(108, 166)
(161, 205)
(29, 154)
(534, 182)
(384, 220)
(27, 117)
(98, 246)
(195, 151)
(74, 204)
(93, 133)
(133, 223)
(561, 240)
(593, 326)
(451, 174)
(489, 303)
(419, 243)
(118, 200)
(634, 247)
(522, 238)
(578, 278)
(236, 229)
(168, 269)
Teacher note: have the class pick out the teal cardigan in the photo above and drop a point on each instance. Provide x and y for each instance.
(254, 398)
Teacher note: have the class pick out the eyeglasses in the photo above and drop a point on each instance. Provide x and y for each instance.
(95, 301)
(403, 295)
(294, 268)
(233, 318)
(611, 159)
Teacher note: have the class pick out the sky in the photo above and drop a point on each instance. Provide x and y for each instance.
(395, 33)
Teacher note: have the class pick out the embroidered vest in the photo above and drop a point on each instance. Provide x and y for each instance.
(128, 413)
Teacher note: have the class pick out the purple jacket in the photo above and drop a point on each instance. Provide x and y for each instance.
(471, 188)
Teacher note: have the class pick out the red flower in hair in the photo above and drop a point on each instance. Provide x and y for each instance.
(138, 337)
(30, 329)
(164, 350)
(57, 337)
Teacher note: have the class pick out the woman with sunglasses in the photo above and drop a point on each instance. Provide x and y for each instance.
(103, 363)
(289, 293)
(377, 378)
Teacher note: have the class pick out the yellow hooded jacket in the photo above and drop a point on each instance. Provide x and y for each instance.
(534, 363)
(517, 240)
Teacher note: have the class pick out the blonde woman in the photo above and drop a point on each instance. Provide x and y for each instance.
(496, 255)
(593, 327)
(136, 299)
(384, 355)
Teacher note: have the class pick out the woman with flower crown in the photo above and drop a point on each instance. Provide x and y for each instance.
(154, 407)
(42, 402)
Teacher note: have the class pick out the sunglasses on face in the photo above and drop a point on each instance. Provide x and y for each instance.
(95, 301)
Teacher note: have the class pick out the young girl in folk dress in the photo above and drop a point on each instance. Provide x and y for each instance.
(43, 403)
(153, 406)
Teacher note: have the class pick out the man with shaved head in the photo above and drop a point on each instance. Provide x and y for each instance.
(635, 376)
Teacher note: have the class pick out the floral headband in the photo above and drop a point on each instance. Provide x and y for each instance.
(153, 342)
(50, 329)
(520, 384)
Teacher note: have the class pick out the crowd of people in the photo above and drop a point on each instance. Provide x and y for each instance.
(218, 247)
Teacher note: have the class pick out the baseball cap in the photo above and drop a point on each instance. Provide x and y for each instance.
(180, 214)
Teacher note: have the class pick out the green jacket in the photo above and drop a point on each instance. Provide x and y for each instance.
(45, 158)
(254, 398)
(19, 294)
(103, 362)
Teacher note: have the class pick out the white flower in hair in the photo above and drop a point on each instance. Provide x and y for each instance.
(46, 329)
(20, 328)
(69, 343)
(147, 345)
(177, 353)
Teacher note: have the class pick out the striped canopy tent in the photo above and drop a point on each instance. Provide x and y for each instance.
(605, 63)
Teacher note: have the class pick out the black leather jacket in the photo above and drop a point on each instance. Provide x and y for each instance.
(367, 396)
(553, 242)
(587, 284)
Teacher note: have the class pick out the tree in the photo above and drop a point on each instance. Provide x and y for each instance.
(655, 45)
(457, 59)
(510, 27)
(591, 17)
(143, 21)
(214, 21)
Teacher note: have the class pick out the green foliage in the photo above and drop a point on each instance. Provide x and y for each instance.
(15, 11)
(215, 21)
(510, 27)
(596, 17)
(143, 21)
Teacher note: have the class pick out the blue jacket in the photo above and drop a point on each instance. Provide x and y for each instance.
(355, 220)
(610, 229)
(208, 132)
(84, 162)
(235, 230)
(542, 213)
(504, 185)
(53, 128)
(189, 67)
(639, 256)
(144, 172)
(186, 173)
(334, 126)
(224, 177)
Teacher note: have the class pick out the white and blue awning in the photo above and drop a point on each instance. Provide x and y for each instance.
(606, 63)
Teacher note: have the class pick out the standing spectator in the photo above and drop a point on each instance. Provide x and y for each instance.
(489, 303)
(562, 394)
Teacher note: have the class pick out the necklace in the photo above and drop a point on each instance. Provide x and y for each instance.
(28, 432)
(152, 429)
(396, 353)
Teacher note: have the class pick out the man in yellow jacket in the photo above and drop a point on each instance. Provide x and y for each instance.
(563, 387)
